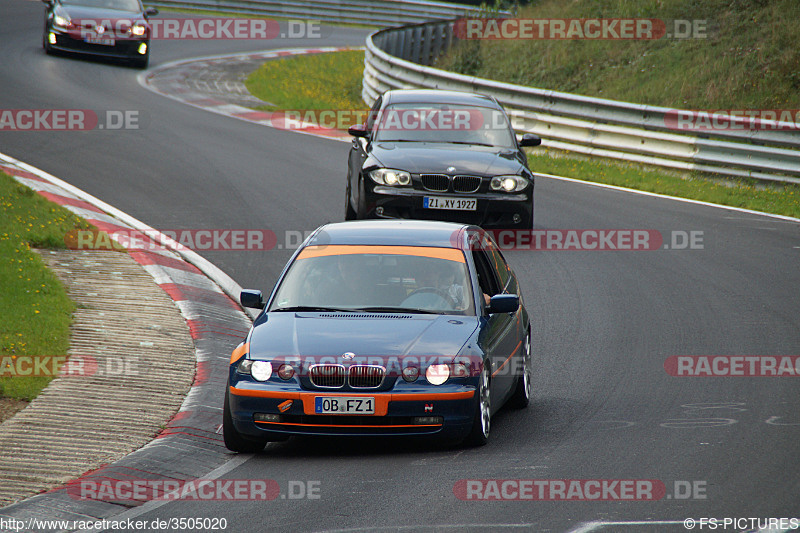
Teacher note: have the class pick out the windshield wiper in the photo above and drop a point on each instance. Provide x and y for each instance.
(470, 143)
(396, 310)
(313, 308)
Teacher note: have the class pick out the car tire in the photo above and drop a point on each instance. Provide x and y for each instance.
(234, 440)
(523, 391)
(482, 422)
(349, 212)
(361, 204)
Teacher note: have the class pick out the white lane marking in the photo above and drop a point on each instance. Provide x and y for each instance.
(152, 505)
(668, 197)
(597, 526)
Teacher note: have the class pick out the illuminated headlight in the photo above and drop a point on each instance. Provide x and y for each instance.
(143, 48)
(51, 38)
(261, 370)
(437, 374)
(392, 178)
(64, 22)
(508, 183)
(138, 29)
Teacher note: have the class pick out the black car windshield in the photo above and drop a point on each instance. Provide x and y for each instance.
(385, 279)
(131, 6)
(443, 123)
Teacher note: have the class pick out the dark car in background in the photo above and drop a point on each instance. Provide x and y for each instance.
(106, 28)
(440, 155)
(376, 328)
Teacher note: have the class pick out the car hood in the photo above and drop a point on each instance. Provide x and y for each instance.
(435, 158)
(332, 334)
(99, 14)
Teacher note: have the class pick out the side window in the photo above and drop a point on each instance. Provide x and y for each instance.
(499, 265)
(486, 278)
(373, 114)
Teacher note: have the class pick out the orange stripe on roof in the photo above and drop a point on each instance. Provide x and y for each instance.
(450, 254)
(239, 351)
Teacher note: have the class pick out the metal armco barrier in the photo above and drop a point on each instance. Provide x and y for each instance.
(371, 12)
(399, 57)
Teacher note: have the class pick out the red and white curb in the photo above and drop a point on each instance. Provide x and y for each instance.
(169, 80)
(206, 297)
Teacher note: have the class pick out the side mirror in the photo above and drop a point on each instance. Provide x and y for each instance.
(151, 12)
(529, 139)
(252, 298)
(358, 130)
(503, 303)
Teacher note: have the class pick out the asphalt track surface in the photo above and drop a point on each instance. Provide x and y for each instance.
(603, 321)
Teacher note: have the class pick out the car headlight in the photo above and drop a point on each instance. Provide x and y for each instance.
(508, 183)
(437, 374)
(63, 22)
(392, 178)
(260, 370)
(138, 29)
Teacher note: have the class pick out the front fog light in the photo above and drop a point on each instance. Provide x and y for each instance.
(142, 49)
(261, 370)
(427, 420)
(437, 374)
(51, 38)
(266, 417)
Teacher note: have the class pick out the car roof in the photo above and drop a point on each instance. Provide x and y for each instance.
(435, 96)
(392, 233)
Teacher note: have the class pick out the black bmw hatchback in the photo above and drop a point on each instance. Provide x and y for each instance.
(440, 155)
(107, 28)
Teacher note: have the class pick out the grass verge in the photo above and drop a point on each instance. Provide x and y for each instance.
(747, 60)
(333, 81)
(35, 311)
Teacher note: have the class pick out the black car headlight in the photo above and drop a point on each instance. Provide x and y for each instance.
(392, 178)
(511, 183)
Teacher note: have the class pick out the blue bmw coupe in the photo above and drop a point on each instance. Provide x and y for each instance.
(382, 328)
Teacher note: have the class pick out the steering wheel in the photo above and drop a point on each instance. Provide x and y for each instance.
(439, 292)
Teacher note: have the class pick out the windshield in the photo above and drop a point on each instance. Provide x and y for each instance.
(373, 278)
(445, 123)
(120, 5)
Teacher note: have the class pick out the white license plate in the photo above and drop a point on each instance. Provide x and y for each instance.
(344, 405)
(100, 40)
(457, 204)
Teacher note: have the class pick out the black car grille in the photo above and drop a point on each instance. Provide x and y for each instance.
(357, 376)
(466, 184)
(366, 376)
(329, 376)
(435, 182)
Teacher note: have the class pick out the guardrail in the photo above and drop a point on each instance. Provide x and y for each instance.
(372, 12)
(398, 58)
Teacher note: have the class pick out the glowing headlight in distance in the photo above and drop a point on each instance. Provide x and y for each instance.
(437, 374)
(64, 22)
(392, 178)
(261, 370)
(508, 183)
(138, 29)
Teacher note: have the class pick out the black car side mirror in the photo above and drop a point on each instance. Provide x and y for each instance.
(529, 139)
(151, 12)
(358, 130)
(252, 298)
(503, 303)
